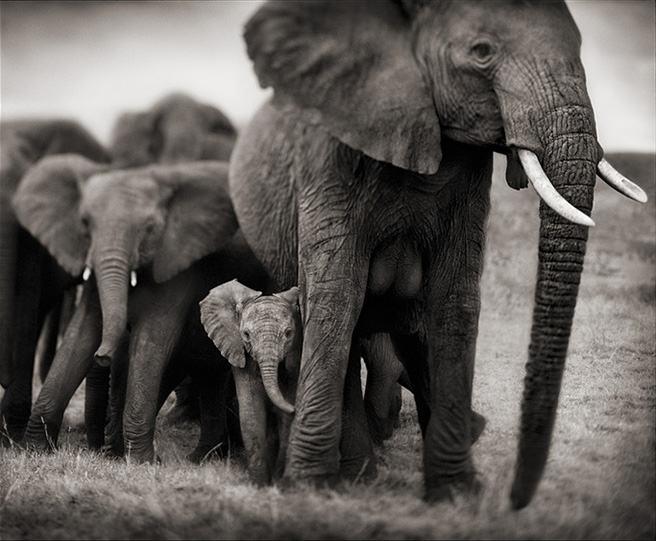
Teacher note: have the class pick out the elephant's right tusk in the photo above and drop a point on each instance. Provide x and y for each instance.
(547, 192)
(619, 182)
(87, 273)
(133, 279)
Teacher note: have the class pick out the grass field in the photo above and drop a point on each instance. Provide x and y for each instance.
(600, 478)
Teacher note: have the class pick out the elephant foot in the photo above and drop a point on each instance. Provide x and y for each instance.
(449, 488)
(135, 455)
(40, 435)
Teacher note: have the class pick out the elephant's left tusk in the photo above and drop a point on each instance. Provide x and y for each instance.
(619, 182)
(547, 192)
(86, 274)
(133, 279)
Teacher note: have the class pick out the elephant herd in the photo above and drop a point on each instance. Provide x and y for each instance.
(346, 222)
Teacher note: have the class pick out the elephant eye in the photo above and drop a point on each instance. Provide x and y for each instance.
(482, 52)
(150, 227)
(84, 220)
(288, 333)
(247, 335)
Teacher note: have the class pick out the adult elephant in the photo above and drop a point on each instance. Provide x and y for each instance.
(31, 282)
(176, 129)
(367, 179)
(156, 226)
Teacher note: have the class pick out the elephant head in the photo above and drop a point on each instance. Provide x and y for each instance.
(117, 222)
(176, 129)
(241, 320)
(397, 79)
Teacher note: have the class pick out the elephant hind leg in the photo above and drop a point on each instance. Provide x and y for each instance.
(357, 459)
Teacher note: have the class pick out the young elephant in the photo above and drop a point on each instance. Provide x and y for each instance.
(261, 338)
(158, 224)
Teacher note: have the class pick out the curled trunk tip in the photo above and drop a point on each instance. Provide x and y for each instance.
(269, 373)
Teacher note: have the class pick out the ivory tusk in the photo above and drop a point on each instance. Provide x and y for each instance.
(619, 182)
(86, 274)
(133, 279)
(547, 192)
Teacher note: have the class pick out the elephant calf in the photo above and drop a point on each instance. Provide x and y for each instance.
(260, 335)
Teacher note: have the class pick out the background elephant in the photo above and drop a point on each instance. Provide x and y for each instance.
(366, 181)
(156, 225)
(31, 282)
(176, 129)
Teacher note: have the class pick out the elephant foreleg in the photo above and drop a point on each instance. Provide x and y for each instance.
(71, 364)
(253, 421)
(153, 339)
(333, 280)
(447, 443)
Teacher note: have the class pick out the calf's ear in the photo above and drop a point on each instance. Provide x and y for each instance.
(219, 313)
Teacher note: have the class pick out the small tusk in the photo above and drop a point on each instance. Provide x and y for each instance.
(133, 279)
(86, 274)
(547, 192)
(619, 182)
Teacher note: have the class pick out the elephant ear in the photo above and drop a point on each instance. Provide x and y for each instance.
(219, 313)
(290, 296)
(349, 66)
(201, 219)
(46, 204)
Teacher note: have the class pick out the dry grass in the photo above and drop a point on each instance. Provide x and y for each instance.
(599, 482)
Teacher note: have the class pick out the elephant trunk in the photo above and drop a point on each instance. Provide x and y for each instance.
(570, 162)
(269, 370)
(112, 276)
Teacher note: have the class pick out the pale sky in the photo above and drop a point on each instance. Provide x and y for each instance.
(92, 61)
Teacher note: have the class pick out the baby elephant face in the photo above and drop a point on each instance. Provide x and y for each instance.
(268, 327)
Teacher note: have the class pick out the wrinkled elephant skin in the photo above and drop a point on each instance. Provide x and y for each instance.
(365, 180)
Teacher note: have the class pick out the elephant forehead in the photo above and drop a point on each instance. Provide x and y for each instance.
(268, 310)
(122, 185)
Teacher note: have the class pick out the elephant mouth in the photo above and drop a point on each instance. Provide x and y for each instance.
(532, 171)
